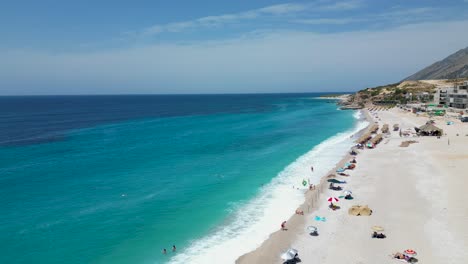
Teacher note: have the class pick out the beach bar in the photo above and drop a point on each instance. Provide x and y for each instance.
(429, 130)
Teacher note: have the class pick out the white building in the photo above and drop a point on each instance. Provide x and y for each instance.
(453, 96)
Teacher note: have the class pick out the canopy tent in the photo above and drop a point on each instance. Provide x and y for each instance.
(384, 128)
(430, 130)
(439, 112)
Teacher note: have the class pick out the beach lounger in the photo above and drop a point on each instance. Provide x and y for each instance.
(411, 260)
(335, 188)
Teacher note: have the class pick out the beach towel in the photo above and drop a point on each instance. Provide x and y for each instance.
(318, 218)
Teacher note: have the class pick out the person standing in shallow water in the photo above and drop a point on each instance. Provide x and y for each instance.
(164, 251)
(173, 248)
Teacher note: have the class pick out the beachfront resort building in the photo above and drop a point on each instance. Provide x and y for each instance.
(453, 96)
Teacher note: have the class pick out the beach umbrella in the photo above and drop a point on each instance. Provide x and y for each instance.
(312, 230)
(377, 228)
(365, 211)
(410, 252)
(354, 210)
(333, 199)
(290, 254)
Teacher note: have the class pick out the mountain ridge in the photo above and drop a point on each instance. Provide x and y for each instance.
(452, 67)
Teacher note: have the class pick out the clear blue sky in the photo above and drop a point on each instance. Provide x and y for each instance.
(105, 47)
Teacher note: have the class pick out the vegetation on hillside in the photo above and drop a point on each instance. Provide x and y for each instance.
(391, 94)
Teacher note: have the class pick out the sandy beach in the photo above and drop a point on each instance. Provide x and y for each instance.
(417, 193)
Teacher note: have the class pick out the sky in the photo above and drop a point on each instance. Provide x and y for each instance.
(212, 46)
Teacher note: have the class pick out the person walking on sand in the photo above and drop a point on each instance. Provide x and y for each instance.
(173, 248)
(312, 168)
(283, 226)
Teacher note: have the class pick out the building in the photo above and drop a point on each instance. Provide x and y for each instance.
(420, 96)
(453, 96)
(423, 97)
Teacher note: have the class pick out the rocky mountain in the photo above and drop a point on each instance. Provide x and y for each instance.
(453, 67)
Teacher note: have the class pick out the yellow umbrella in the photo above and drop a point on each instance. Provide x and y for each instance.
(354, 210)
(377, 228)
(365, 211)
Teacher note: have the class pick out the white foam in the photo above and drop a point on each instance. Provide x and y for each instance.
(357, 114)
(255, 220)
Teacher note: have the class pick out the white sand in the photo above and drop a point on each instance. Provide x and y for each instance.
(417, 193)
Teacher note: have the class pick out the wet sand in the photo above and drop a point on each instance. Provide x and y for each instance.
(417, 193)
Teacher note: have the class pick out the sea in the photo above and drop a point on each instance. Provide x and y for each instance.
(117, 179)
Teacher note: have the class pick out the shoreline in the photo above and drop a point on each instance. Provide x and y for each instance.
(338, 97)
(414, 191)
(279, 241)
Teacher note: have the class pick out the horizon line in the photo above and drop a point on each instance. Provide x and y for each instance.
(171, 94)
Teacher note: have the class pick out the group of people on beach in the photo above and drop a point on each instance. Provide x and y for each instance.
(407, 256)
(298, 211)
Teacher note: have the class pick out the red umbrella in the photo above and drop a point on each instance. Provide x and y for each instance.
(332, 199)
(410, 252)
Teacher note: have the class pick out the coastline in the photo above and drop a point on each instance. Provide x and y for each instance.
(280, 241)
(341, 97)
(252, 221)
(416, 193)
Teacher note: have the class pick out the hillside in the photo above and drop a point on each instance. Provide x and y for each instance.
(452, 67)
(392, 94)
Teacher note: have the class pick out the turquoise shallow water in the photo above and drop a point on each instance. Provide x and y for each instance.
(119, 191)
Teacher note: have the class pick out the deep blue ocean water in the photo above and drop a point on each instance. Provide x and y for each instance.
(115, 179)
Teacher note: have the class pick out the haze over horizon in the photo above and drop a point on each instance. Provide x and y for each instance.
(173, 47)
